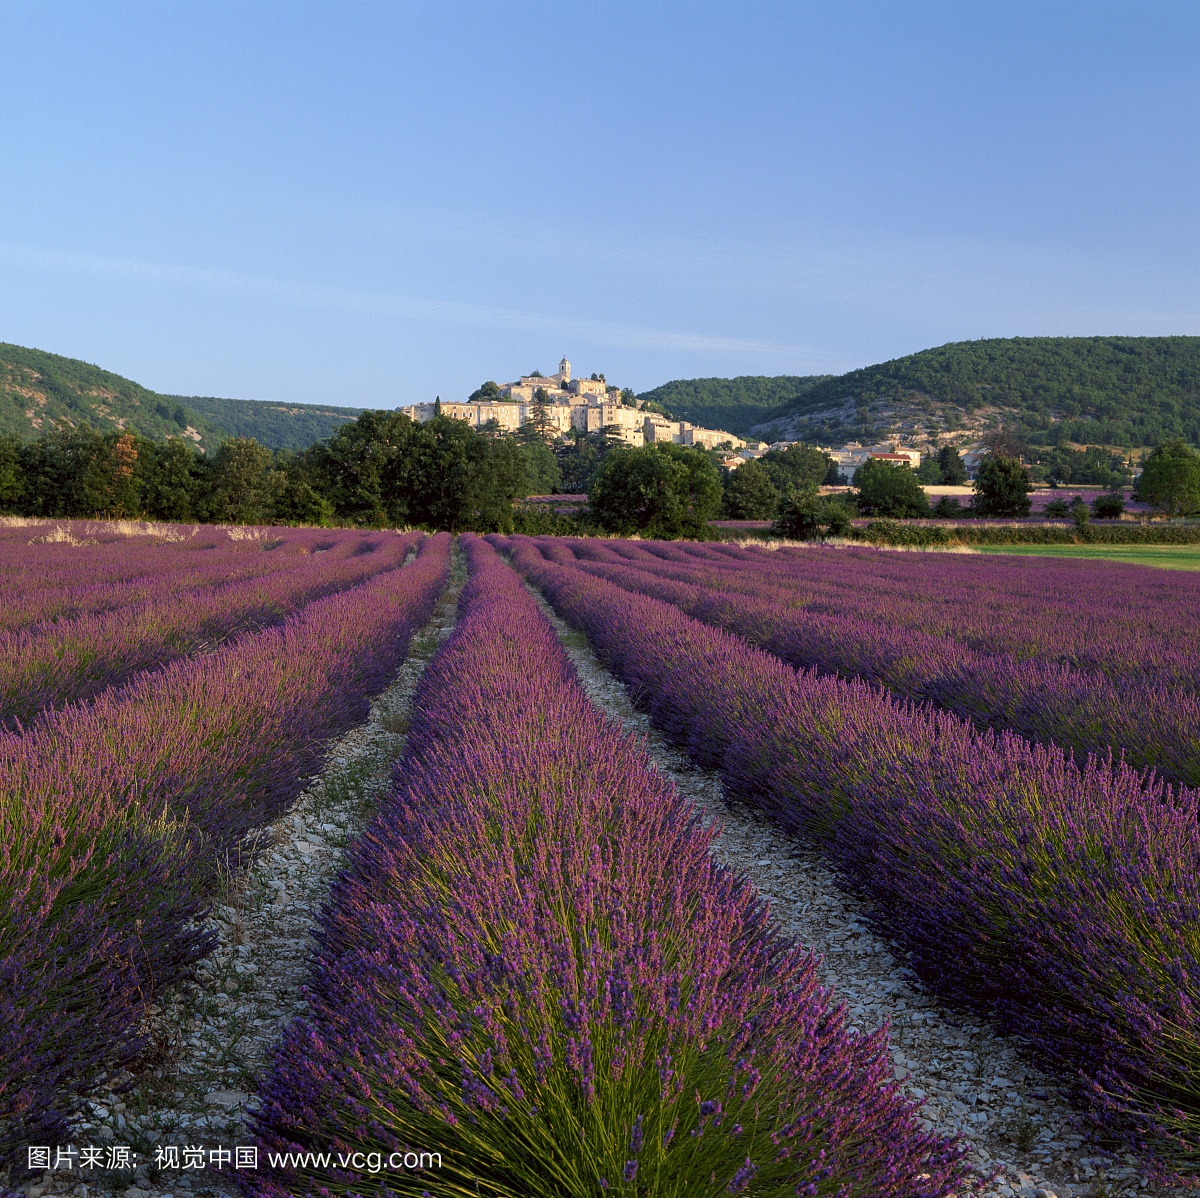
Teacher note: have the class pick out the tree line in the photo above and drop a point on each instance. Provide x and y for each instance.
(386, 470)
(382, 470)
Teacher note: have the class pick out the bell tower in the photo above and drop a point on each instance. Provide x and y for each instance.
(564, 368)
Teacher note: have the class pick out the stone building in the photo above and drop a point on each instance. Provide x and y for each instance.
(589, 405)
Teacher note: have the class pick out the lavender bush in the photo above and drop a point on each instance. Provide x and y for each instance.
(116, 815)
(532, 967)
(1153, 721)
(68, 660)
(1059, 899)
(43, 581)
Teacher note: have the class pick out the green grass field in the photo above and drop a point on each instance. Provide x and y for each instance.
(1166, 557)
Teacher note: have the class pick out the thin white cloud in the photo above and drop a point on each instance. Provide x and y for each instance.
(342, 299)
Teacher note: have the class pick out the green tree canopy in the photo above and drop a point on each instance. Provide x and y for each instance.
(238, 486)
(1170, 480)
(662, 490)
(539, 414)
(797, 466)
(1002, 488)
(170, 476)
(806, 516)
(749, 493)
(887, 490)
(580, 456)
(386, 469)
(952, 472)
(80, 472)
(541, 472)
(12, 482)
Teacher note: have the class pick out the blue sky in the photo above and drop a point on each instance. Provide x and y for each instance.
(370, 202)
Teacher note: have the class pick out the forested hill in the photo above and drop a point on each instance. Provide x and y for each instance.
(731, 404)
(1131, 391)
(38, 389)
(276, 425)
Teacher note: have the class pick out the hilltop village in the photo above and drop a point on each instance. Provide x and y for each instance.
(563, 404)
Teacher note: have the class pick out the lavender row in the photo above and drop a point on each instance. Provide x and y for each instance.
(46, 582)
(1059, 900)
(1098, 617)
(532, 968)
(115, 817)
(1154, 724)
(74, 660)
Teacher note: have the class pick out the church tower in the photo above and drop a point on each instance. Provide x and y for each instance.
(564, 369)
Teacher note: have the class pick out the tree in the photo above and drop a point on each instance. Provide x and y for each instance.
(296, 502)
(950, 466)
(541, 472)
(834, 476)
(79, 472)
(388, 470)
(886, 490)
(628, 399)
(1004, 443)
(946, 508)
(795, 466)
(1108, 506)
(1170, 480)
(169, 479)
(539, 413)
(488, 390)
(663, 490)
(437, 406)
(929, 473)
(805, 516)
(121, 483)
(1002, 488)
(237, 483)
(749, 493)
(580, 456)
(12, 484)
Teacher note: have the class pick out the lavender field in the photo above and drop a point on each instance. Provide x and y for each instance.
(530, 964)
(532, 967)
(119, 810)
(1055, 896)
(1092, 657)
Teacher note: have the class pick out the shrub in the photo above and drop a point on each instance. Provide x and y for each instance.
(1109, 506)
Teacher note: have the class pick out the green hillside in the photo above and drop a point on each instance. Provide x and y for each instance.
(731, 404)
(37, 389)
(1123, 391)
(276, 425)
